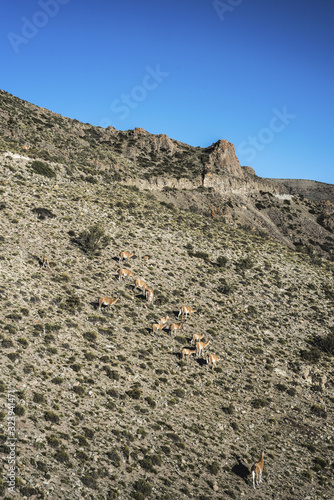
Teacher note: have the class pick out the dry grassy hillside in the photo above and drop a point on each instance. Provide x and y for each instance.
(104, 408)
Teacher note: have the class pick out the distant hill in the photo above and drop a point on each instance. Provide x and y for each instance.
(313, 190)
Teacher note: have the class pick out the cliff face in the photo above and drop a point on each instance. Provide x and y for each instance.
(222, 160)
(210, 180)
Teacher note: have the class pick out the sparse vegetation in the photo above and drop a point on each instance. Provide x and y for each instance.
(105, 408)
(92, 240)
(42, 168)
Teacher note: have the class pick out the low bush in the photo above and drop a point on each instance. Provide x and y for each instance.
(93, 240)
(41, 168)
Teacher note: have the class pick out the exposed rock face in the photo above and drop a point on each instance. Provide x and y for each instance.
(244, 185)
(222, 160)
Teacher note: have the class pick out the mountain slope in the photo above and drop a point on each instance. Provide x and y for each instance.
(106, 409)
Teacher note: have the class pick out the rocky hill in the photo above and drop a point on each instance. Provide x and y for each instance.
(103, 407)
(299, 214)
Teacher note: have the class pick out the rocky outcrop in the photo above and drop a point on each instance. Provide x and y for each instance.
(160, 183)
(222, 160)
(245, 185)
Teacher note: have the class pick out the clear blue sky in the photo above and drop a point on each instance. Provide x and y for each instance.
(258, 73)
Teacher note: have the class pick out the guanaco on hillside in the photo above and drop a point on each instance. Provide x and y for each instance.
(125, 273)
(185, 310)
(125, 256)
(257, 470)
(186, 353)
(45, 262)
(212, 359)
(200, 346)
(106, 301)
(141, 285)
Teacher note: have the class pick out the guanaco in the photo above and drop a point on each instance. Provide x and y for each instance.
(157, 327)
(45, 262)
(212, 359)
(187, 352)
(106, 301)
(200, 346)
(196, 338)
(185, 310)
(174, 328)
(257, 470)
(125, 256)
(149, 295)
(126, 273)
(163, 321)
(141, 285)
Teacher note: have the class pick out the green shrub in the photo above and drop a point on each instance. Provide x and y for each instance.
(229, 410)
(41, 466)
(50, 416)
(81, 455)
(57, 380)
(311, 355)
(89, 480)
(78, 389)
(151, 401)
(53, 441)
(90, 336)
(62, 457)
(42, 213)
(112, 374)
(318, 411)
(225, 287)
(326, 344)
(222, 261)
(72, 303)
(213, 468)
(179, 393)
(23, 342)
(143, 487)
(134, 393)
(114, 457)
(320, 463)
(246, 263)
(89, 433)
(260, 402)
(10, 328)
(281, 387)
(201, 255)
(82, 441)
(19, 410)
(38, 398)
(93, 240)
(41, 168)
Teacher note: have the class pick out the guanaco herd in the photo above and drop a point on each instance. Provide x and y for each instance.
(200, 345)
